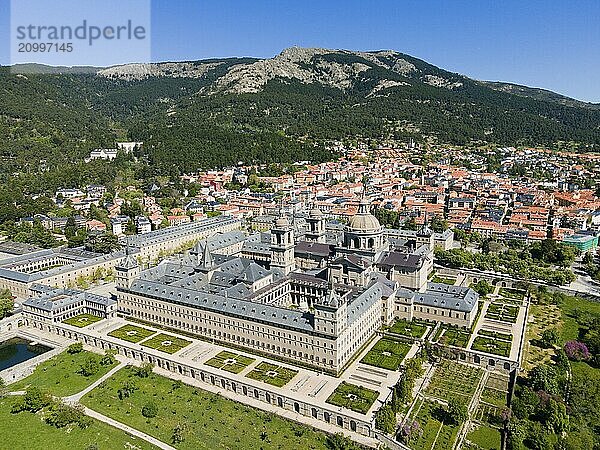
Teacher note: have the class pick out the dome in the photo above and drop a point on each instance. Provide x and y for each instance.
(363, 220)
(315, 213)
(282, 222)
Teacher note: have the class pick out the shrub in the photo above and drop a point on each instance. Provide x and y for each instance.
(149, 410)
(77, 347)
(577, 351)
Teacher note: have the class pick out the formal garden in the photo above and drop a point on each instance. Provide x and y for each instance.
(453, 380)
(353, 397)
(67, 373)
(131, 333)
(272, 374)
(452, 335)
(492, 346)
(190, 418)
(445, 280)
(230, 362)
(515, 294)
(386, 354)
(82, 320)
(414, 329)
(502, 312)
(166, 343)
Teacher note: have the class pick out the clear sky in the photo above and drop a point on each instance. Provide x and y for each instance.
(553, 44)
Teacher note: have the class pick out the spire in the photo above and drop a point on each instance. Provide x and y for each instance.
(206, 261)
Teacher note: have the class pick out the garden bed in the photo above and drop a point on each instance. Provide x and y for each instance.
(131, 333)
(353, 397)
(270, 373)
(386, 354)
(82, 320)
(166, 343)
(230, 362)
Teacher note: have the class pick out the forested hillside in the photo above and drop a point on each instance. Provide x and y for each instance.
(210, 113)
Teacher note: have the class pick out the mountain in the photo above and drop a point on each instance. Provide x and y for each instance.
(222, 111)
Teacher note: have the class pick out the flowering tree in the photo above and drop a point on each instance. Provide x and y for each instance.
(577, 351)
(410, 430)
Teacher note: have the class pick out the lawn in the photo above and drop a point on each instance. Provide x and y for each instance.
(511, 293)
(502, 312)
(166, 343)
(494, 396)
(59, 376)
(131, 333)
(272, 374)
(496, 335)
(492, 346)
(444, 280)
(454, 380)
(353, 397)
(387, 354)
(82, 320)
(436, 434)
(27, 431)
(230, 362)
(568, 305)
(456, 336)
(486, 438)
(208, 421)
(412, 329)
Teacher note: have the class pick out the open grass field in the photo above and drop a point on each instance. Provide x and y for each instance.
(131, 333)
(166, 343)
(270, 373)
(454, 380)
(412, 329)
(436, 434)
(25, 431)
(353, 397)
(486, 438)
(230, 362)
(458, 337)
(82, 320)
(491, 345)
(59, 376)
(386, 354)
(208, 421)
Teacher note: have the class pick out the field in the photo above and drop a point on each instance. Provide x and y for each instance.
(131, 333)
(272, 374)
(82, 320)
(230, 362)
(436, 434)
(486, 437)
(455, 336)
(492, 346)
(27, 431)
(386, 354)
(412, 329)
(353, 397)
(59, 374)
(206, 420)
(166, 343)
(454, 380)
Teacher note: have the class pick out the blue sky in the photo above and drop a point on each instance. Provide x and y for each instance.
(554, 44)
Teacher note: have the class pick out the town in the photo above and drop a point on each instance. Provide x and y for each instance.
(392, 296)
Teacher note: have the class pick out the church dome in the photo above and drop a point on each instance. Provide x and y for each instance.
(363, 220)
(282, 222)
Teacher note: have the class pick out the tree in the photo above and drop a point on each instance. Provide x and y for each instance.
(6, 303)
(543, 378)
(61, 415)
(338, 441)
(483, 288)
(36, 399)
(456, 411)
(385, 419)
(108, 359)
(127, 389)
(144, 370)
(2, 387)
(76, 347)
(577, 351)
(150, 410)
(555, 416)
(550, 338)
(90, 366)
(102, 243)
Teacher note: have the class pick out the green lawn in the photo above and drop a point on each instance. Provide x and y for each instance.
(492, 346)
(502, 312)
(131, 333)
(436, 434)
(230, 362)
(166, 343)
(387, 354)
(208, 420)
(568, 305)
(272, 374)
(511, 293)
(353, 397)
(82, 320)
(454, 380)
(59, 374)
(456, 336)
(411, 329)
(494, 396)
(486, 438)
(25, 431)
(496, 335)
(444, 280)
